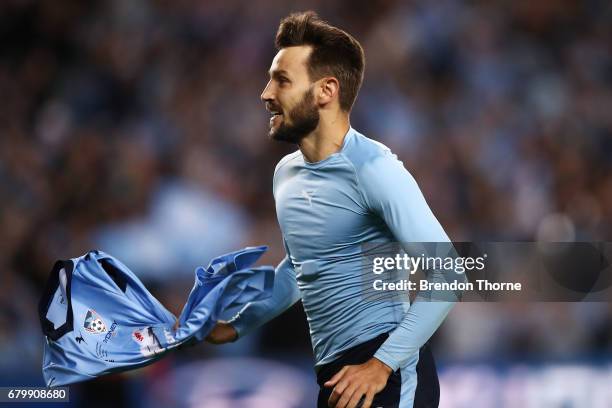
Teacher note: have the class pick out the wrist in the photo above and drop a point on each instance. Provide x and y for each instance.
(231, 331)
(236, 325)
(381, 366)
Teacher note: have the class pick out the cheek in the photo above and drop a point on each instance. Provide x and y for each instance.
(285, 98)
(286, 104)
(289, 98)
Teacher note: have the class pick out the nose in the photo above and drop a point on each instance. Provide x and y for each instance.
(267, 95)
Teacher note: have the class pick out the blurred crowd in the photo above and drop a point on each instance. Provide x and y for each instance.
(137, 126)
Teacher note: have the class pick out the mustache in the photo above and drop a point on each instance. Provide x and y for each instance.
(272, 108)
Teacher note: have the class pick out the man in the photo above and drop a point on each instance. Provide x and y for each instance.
(337, 193)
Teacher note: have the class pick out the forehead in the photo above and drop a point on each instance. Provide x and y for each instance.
(291, 59)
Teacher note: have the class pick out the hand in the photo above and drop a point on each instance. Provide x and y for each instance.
(355, 381)
(223, 332)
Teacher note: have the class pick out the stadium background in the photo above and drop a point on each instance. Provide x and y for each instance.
(136, 127)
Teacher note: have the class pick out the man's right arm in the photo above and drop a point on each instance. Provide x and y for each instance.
(284, 295)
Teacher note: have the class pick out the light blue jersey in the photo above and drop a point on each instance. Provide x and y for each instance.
(327, 211)
(98, 318)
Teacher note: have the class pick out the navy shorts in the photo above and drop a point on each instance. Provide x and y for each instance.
(427, 394)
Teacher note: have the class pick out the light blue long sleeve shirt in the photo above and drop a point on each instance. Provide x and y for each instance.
(327, 212)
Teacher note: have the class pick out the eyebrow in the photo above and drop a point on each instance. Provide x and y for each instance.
(278, 72)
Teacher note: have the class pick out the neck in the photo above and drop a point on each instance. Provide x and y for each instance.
(325, 140)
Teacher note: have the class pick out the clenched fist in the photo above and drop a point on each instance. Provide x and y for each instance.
(223, 332)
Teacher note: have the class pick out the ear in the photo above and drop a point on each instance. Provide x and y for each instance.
(328, 90)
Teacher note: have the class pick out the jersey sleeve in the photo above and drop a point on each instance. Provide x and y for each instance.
(284, 295)
(392, 193)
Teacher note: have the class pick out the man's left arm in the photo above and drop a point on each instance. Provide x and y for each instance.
(392, 193)
(396, 197)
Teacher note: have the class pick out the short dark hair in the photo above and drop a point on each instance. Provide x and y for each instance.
(335, 52)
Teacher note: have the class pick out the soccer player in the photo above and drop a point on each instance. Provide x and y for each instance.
(339, 191)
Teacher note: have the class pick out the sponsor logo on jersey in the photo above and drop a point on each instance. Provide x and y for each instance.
(102, 354)
(307, 194)
(149, 345)
(137, 336)
(80, 338)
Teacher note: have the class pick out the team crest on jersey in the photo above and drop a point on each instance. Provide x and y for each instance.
(93, 323)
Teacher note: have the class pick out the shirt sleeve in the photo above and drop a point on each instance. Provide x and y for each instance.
(392, 193)
(284, 295)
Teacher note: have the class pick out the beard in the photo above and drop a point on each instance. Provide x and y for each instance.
(304, 119)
